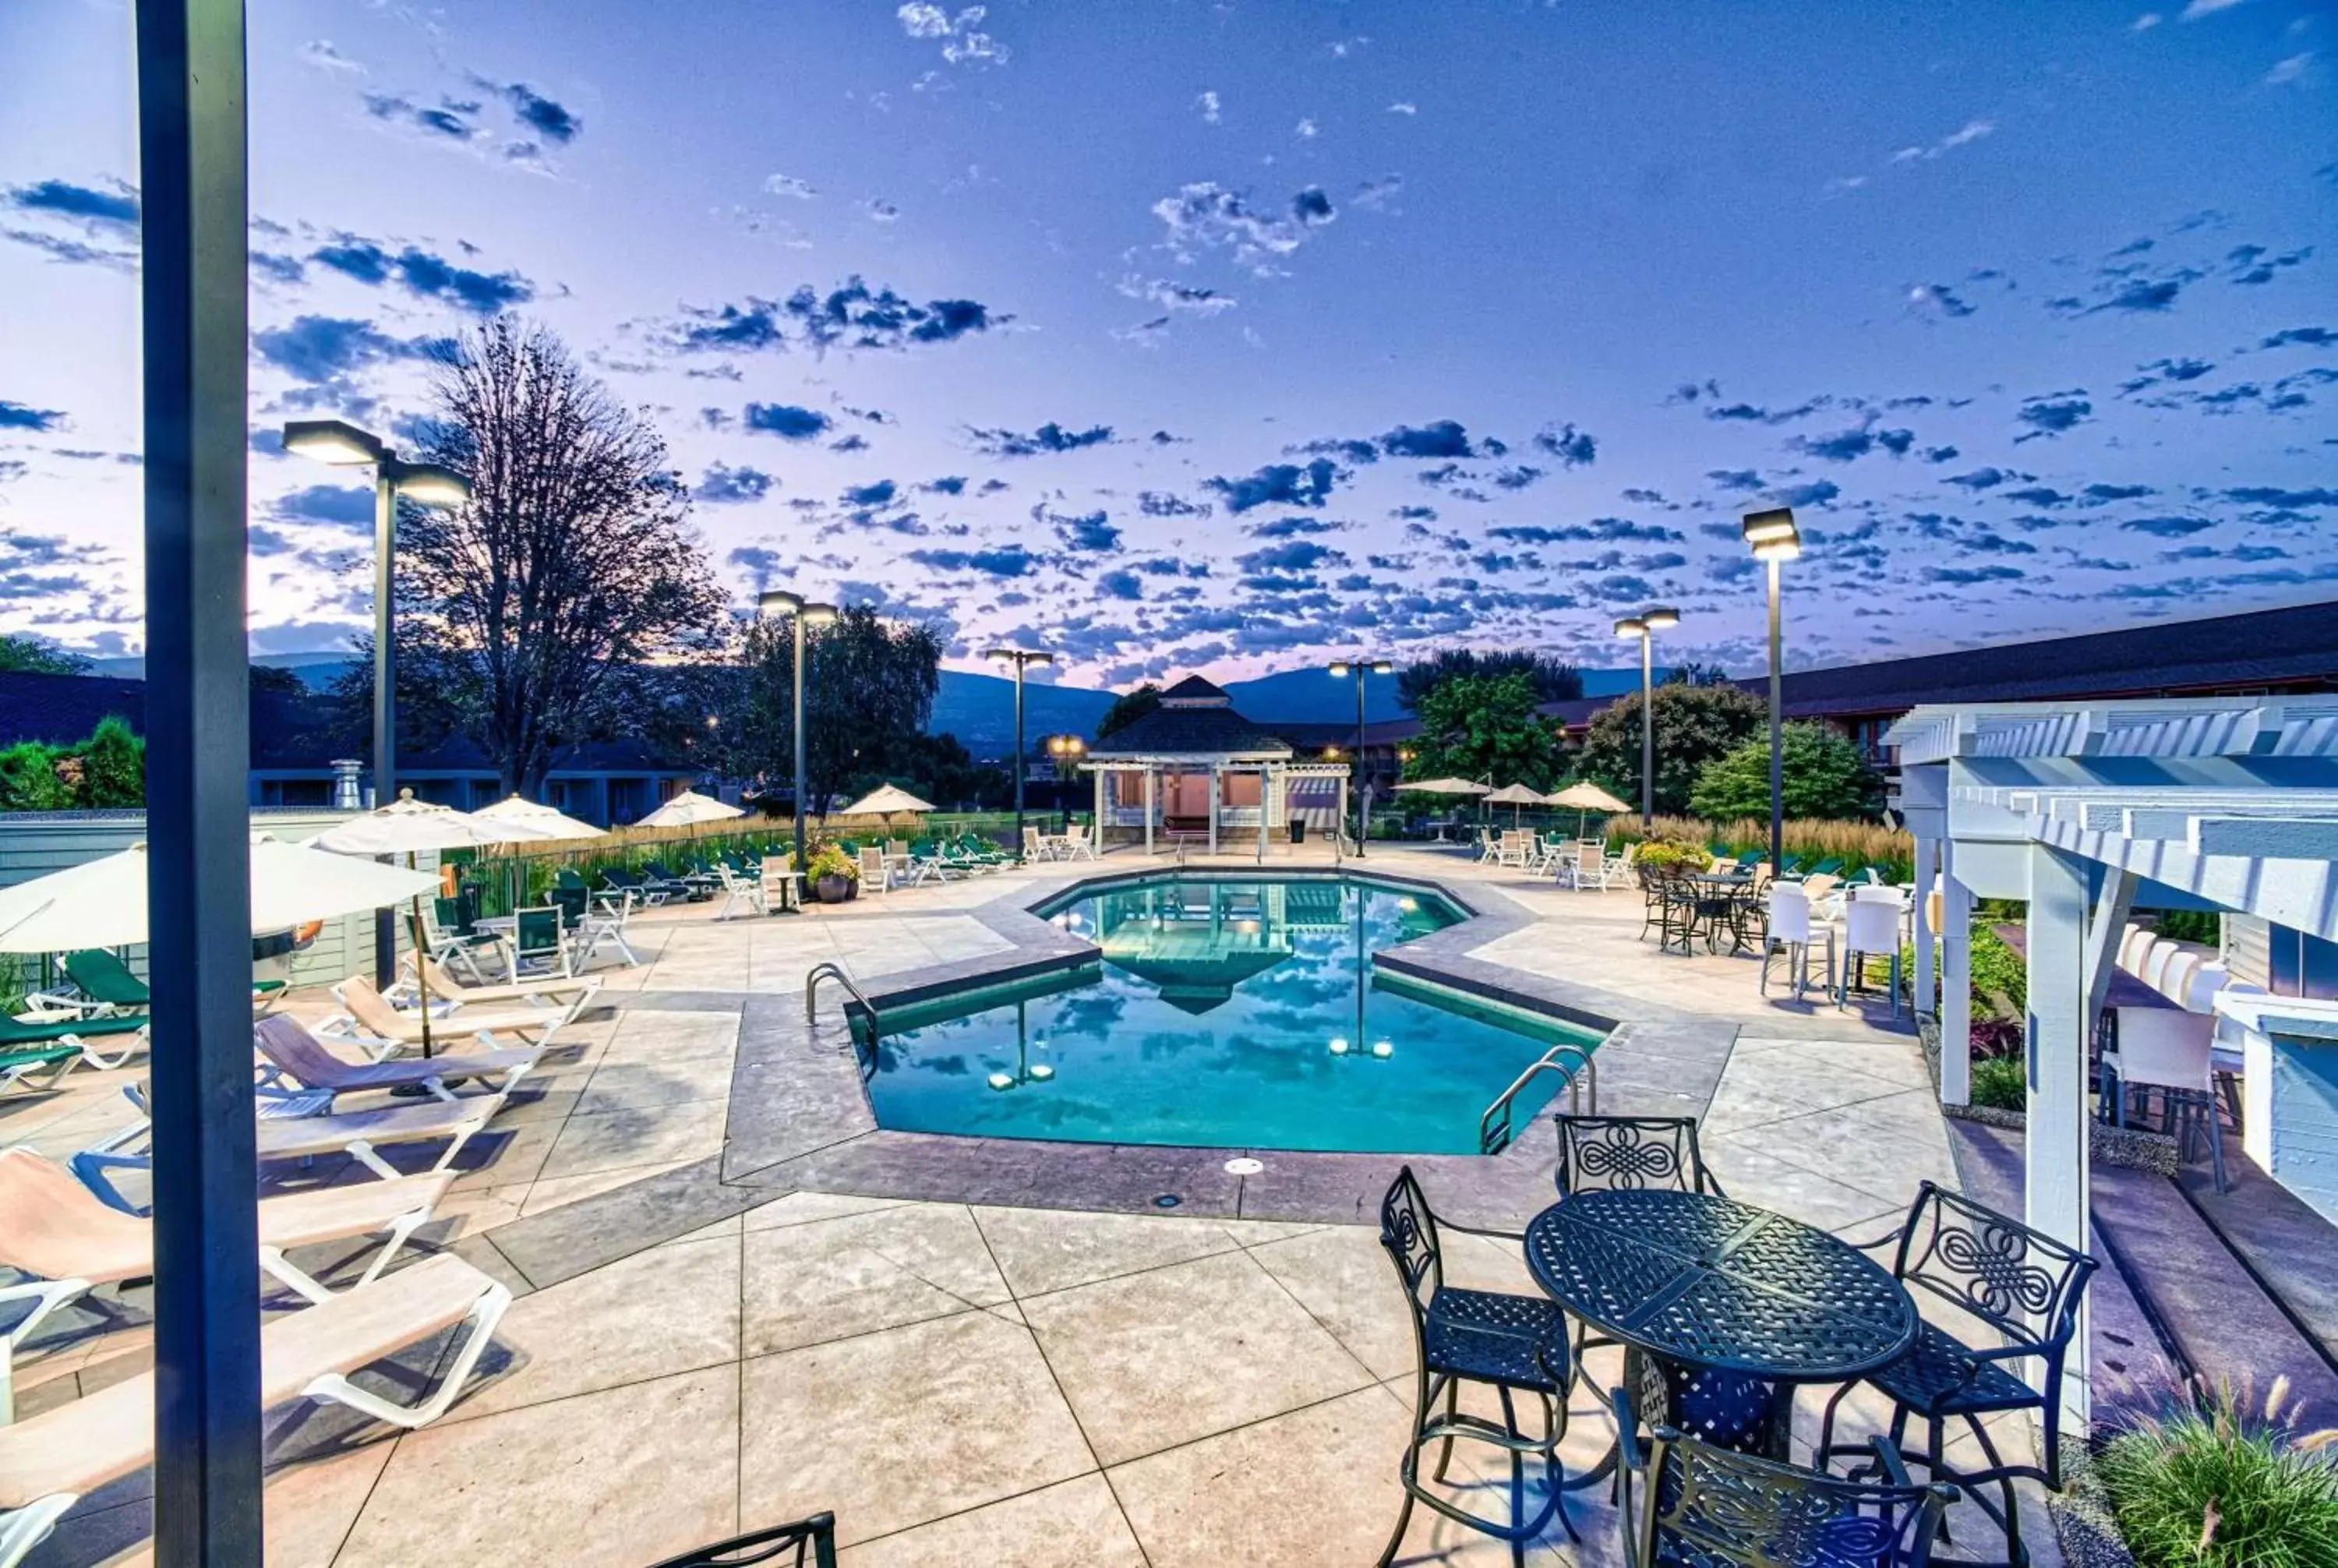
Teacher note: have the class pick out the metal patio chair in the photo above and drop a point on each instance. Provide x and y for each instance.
(1512, 1344)
(1707, 1507)
(1607, 1153)
(2009, 1276)
(806, 1544)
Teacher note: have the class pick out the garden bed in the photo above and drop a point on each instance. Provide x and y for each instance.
(2126, 1148)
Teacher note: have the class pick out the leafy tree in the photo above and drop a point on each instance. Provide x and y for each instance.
(1822, 774)
(1553, 680)
(870, 688)
(1482, 726)
(1696, 674)
(105, 770)
(112, 767)
(37, 656)
(1128, 708)
(276, 677)
(573, 564)
(1694, 725)
(31, 779)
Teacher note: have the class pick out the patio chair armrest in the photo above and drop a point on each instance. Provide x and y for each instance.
(1628, 1453)
(1889, 1239)
(1888, 1460)
(1516, 1236)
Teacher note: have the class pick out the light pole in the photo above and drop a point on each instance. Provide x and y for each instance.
(1022, 659)
(1644, 626)
(1343, 668)
(1775, 540)
(803, 614)
(343, 444)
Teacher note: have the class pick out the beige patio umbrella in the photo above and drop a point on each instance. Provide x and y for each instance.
(549, 823)
(688, 809)
(1441, 786)
(1586, 797)
(1516, 797)
(885, 802)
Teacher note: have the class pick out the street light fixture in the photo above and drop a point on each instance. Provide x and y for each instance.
(804, 613)
(1022, 659)
(1775, 540)
(1357, 668)
(344, 445)
(1644, 626)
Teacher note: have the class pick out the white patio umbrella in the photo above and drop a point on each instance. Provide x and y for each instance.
(1441, 786)
(551, 824)
(1586, 797)
(688, 809)
(102, 903)
(1516, 797)
(885, 801)
(408, 826)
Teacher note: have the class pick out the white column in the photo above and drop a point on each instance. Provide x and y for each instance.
(1926, 855)
(1096, 829)
(1956, 982)
(1337, 821)
(1149, 797)
(1217, 791)
(2056, 1155)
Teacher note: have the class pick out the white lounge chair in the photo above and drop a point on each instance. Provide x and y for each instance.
(550, 994)
(738, 890)
(51, 1461)
(55, 1229)
(1073, 844)
(294, 1054)
(876, 871)
(367, 1018)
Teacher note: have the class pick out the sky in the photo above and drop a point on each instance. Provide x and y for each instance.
(1232, 337)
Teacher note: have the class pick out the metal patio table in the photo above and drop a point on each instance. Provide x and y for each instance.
(1730, 895)
(1729, 1306)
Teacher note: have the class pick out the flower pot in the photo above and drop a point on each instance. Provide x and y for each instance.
(833, 889)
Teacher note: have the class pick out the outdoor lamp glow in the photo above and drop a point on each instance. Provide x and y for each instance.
(1778, 550)
(1339, 668)
(818, 614)
(1660, 618)
(1630, 626)
(430, 484)
(1382, 667)
(335, 441)
(779, 602)
(1020, 656)
(1771, 527)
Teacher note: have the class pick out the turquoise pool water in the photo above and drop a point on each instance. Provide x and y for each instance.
(1234, 1011)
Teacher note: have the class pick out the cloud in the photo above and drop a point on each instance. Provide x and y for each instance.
(2053, 415)
(2159, 370)
(317, 350)
(2171, 527)
(786, 420)
(1306, 131)
(851, 316)
(1288, 556)
(1599, 530)
(1206, 216)
(948, 484)
(429, 275)
(17, 417)
(1047, 438)
(1089, 535)
(1752, 412)
(1574, 448)
(1818, 493)
(2292, 69)
(2254, 264)
(1972, 130)
(339, 505)
(453, 119)
(2268, 496)
(1280, 485)
(546, 117)
(1120, 585)
(1161, 504)
(2131, 294)
(1212, 110)
(1008, 561)
(1401, 107)
(1938, 298)
(788, 185)
(2309, 337)
(882, 493)
(1847, 446)
(963, 41)
(1967, 576)
(726, 487)
(321, 53)
(2199, 8)
(115, 210)
(1734, 479)
(880, 210)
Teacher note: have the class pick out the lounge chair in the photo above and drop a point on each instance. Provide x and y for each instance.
(569, 994)
(366, 1016)
(51, 1461)
(300, 1056)
(103, 986)
(876, 871)
(25, 1066)
(53, 1229)
(738, 888)
(128, 1030)
(650, 895)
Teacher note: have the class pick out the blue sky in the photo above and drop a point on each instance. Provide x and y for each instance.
(1177, 335)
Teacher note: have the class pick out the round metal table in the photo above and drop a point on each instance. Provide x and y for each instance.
(1733, 1305)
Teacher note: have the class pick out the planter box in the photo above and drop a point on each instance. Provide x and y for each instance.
(2126, 1148)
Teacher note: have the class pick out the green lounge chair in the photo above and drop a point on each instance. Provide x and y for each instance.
(19, 1035)
(23, 1066)
(104, 985)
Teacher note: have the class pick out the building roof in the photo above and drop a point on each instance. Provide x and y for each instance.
(2296, 647)
(1193, 691)
(1195, 719)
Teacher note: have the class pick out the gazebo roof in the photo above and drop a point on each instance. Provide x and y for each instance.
(1194, 719)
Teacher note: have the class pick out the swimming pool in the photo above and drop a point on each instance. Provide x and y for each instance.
(1237, 1012)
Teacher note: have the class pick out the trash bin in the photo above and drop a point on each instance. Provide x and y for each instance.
(1299, 831)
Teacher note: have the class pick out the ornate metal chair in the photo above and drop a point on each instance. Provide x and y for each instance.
(1601, 1154)
(1512, 1344)
(811, 1541)
(2009, 1277)
(1706, 1507)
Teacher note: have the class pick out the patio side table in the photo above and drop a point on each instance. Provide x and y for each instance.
(1730, 1306)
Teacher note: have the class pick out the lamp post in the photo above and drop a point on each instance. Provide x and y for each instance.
(803, 614)
(1022, 659)
(343, 444)
(1343, 668)
(1644, 626)
(1775, 540)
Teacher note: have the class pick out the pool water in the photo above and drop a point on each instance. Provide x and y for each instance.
(1227, 1011)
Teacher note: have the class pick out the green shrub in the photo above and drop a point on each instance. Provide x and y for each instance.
(2000, 1083)
(829, 861)
(114, 766)
(2205, 926)
(33, 780)
(2211, 1482)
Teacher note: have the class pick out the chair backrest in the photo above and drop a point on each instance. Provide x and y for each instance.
(52, 1226)
(813, 1540)
(1790, 913)
(286, 1042)
(567, 877)
(2200, 995)
(2164, 1047)
(1630, 1153)
(1631, 854)
(1030, 840)
(896, 845)
(1711, 1506)
(103, 977)
(445, 918)
(2132, 943)
(1819, 884)
(535, 931)
(1994, 1266)
(1408, 1233)
(367, 1006)
(872, 867)
(1871, 925)
(1828, 867)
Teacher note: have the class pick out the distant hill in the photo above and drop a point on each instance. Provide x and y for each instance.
(979, 709)
(318, 671)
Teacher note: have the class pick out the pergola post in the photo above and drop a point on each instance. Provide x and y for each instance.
(1096, 821)
(1149, 795)
(1956, 982)
(1217, 789)
(2055, 1156)
(1927, 851)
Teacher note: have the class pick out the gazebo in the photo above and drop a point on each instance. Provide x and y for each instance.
(1195, 768)
(2089, 811)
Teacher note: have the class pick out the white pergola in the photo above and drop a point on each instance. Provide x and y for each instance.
(2088, 811)
(1275, 770)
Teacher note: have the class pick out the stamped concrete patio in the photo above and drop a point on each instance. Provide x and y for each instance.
(738, 1301)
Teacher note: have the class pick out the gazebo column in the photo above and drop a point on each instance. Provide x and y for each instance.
(1927, 868)
(1148, 807)
(1217, 794)
(1956, 982)
(1096, 821)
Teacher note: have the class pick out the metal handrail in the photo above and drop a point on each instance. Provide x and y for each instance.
(831, 970)
(1493, 1136)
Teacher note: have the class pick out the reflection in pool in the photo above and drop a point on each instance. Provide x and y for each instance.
(1233, 1012)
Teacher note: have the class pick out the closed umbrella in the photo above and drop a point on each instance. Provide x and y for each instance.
(1516, 797)
(102, 903)
(1587, 797)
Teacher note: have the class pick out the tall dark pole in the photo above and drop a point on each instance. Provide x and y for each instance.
(191, 176)
(1363, 783)
(797, 712)
(385, 692)
(1647, 731)
(1019, 758)
(1777, 740)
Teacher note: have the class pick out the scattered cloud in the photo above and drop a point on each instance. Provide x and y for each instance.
(1206, 216)
(724, 486)
(425, 275)
(1574, 448)
(1404, 107)
(1212, 109)
(786, 420)
(1050, 437)
(321, 349)
(321, 53)
(963, 41)
(849, 317)
(2053, 415)
(788, 185)
(1971, 132)
(1280, 485)
(18, 417)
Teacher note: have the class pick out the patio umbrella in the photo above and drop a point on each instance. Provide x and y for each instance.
(688, 809)
(1516, 797)
(102, 903)
(408, 826)
(549, 823)
(884, 802)
(1586, 797)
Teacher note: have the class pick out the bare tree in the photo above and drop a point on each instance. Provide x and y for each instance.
(573, 564)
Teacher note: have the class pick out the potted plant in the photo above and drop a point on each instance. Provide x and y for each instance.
(834, 878)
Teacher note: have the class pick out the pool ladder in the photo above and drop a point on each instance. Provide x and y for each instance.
(864, 1051)
(1494, 1129)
